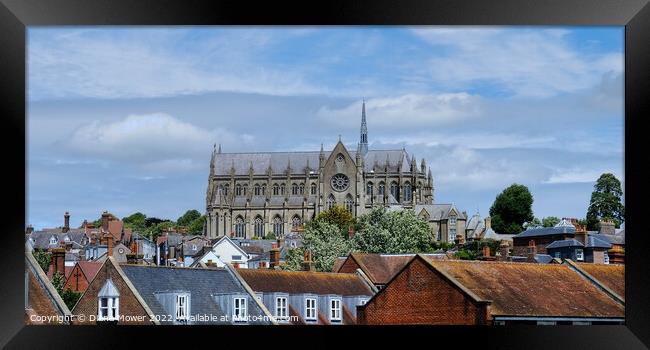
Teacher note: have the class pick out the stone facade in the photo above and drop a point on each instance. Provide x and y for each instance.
(253, 194)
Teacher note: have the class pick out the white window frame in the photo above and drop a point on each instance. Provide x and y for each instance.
(112, 309)
(182, 307)
(335, 310)
(363, 301)
(605, 258)
(281, 308)
(580, 255)
(310, 311)
(240, 307)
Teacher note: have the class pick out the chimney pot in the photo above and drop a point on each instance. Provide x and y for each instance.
(66, 222)
(532, 251)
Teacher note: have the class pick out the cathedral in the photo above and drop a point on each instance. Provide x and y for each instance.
(254, 194)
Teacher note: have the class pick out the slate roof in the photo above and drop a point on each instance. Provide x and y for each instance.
(203, 284)
(543, 258)
(612, 239)
(438, 211)
(565, 243)
(611, 276)
(41, 238)
(546, 231)
(279, 161)
(298, 282)
(524, 289)
(595, 242)
(380, 268)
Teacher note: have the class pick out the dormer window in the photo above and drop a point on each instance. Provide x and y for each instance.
(66, 238)
(182, 307)
(310, 309)
(335, 310)
(240, 312)
(52, 240)
(580, 255)
(281, 308)
(108, 302)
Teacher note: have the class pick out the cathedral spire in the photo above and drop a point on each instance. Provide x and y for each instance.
(363, 140)
(219, 150)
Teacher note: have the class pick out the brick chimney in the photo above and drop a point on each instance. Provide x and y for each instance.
(532, 251)
(274, 256)
(105, 217)
(58, 260)
(351, 232)
(607, 227)
(66, 222)
(262, 264)
(581, 233)
(307, 263)
(503, 251)
(109, 243)
(486, 251)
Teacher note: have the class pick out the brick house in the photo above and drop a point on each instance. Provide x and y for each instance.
(461, 292)
(114, 292)
(41, 298)
(78, 278)
(542, 236)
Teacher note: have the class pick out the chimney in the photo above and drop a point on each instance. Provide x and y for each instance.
(109, 244)
(235, 265)
(274, 256)
(351, 232)
(486, 251)
(307, 263)
(503, 251)
(532, 251)
(29, 229)
(66, 222)
(262, 264)
(58, 260)
(280, 242)
(105, 218)
(488, 223)
(581, 234)
(607, 227)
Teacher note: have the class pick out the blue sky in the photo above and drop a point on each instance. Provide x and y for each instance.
(123, 119)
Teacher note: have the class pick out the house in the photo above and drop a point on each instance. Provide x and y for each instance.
(143, 246)
(78, 278)
(469, 292)
(207, 259)
(307, 297)
(542, 236)
(230, 252)
(445, 220)
(192, 246)
(168, 248)
(378, 268)
(43, 305)
(567, 249)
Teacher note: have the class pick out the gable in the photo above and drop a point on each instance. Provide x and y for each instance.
(226, 247)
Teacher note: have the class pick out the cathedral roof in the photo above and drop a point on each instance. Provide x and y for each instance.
(298, 161)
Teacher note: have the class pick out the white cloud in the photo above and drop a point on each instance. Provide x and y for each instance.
(410, 110)
(576, 175)
(536, 63)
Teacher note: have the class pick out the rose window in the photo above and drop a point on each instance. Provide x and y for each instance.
(340, 182)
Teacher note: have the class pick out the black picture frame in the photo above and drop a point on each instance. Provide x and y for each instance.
(16, 15)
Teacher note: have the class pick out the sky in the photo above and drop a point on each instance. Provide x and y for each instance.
(124, 119)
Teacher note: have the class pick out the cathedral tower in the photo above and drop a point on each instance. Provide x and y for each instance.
(363, 140)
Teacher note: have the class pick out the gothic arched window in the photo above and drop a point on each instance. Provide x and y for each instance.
(282, 189)
(302, 189)
(277, 226)
(244, 189)
(276, 190)
(257, 190)
(294, 189)
(381, 188)
(240, 228)
(313, 188)
(225, 189)
(394, 190)
(407, 192)
(331, 201)
(369, 188)
(258, 226)
(349, 203)
(238, 190)
(295, 222)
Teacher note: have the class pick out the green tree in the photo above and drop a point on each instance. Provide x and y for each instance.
(136, 222)
(188, 218)
(293, 261)
(339, 216)
(605, 203)
(533, 223)
(511, 209)
(196, 226)
(154, 231)
(326, 244)
(550, 221)
(58, 280)
(70, 298)
(402, 231)
(43, 258)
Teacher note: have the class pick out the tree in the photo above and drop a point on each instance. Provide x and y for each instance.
(550, 221)
(58, 280)
(605, 203)
(43, 258)
(70, 298)
(150, 222)
(339, 216)
(511, 209)
(326, 244)
(196, 226)
(535, 223)
(136, 222)
(188, 218)
(402, 231)
(293, 261)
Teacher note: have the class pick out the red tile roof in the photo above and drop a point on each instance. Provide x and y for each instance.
(611, 276)
(296, 282)
(90, 268)
(528, 289)
(380, 268)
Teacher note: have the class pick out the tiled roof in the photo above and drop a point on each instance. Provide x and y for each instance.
(90, 268)
(595, 242)
(611, 276)
(546, 231)
(380, 268)
(438, 211)
(297, 282)
(524, 289)
(565, 243)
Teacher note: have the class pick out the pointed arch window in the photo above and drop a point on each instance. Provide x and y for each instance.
(294, 189)
(225, 189)
(263, 190)
(313, 189)
(240, 228)
(282, 189)
(331, 202)
(382, 188)
(295, 223)
(301, 189)
(276, 190)
(408, 194)
(257, 190)
(369, 189)
(244, 189)
(277, 226)
(394, 190)
(349, 203)
(238, 190)
(258, 226)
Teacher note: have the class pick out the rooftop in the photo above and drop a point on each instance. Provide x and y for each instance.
(298, 282)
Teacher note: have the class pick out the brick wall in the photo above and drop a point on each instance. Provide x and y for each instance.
(349, 266)
(129, 305)
(39, 302)
(77, 280)
(520, 245)
(420, 295)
